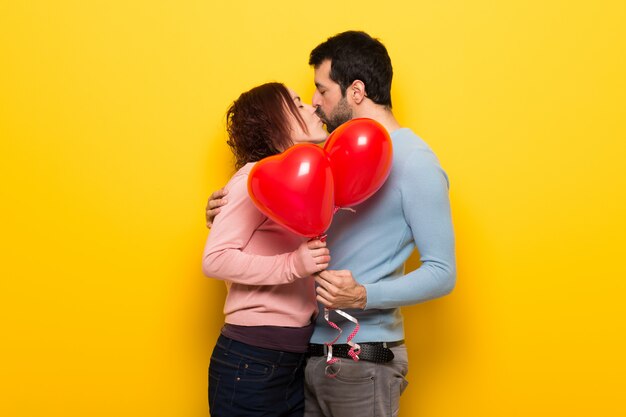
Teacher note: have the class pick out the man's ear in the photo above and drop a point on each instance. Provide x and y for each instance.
(356, 91)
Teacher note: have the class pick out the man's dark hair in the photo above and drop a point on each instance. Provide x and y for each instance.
(357, 56)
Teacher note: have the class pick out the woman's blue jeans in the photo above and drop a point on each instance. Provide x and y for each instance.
(246, 380)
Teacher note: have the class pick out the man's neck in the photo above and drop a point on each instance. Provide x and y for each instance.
(381, 114)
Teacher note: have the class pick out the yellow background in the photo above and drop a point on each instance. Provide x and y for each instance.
(112, 137)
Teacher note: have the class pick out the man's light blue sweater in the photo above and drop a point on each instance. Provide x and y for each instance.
(411, 209)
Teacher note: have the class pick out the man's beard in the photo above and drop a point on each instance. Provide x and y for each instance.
(338, 116)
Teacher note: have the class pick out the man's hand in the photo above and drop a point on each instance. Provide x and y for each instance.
(338, 289)
(216, 201)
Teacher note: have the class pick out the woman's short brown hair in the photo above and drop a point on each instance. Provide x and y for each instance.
(258, 124)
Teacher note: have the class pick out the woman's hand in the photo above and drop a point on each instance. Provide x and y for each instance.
(316, 251)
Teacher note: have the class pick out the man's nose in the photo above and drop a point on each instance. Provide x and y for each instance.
(316, 101)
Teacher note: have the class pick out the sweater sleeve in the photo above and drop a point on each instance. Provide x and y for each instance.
(224, 257)
(426, 207)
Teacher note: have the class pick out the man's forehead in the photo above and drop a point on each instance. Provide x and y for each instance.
(320, 75)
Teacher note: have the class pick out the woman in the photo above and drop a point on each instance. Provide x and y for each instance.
(257, 363)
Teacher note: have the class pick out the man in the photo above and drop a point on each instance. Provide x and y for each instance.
(366, 277)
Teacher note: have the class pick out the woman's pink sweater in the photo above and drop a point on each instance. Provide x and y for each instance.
(268, 283)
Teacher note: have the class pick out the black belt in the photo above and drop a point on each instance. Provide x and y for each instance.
(378, 352)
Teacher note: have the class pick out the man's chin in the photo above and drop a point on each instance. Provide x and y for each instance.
(330, 128)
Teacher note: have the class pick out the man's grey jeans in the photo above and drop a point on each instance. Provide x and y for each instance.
(363, 389)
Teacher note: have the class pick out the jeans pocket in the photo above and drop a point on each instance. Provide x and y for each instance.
(251, 370)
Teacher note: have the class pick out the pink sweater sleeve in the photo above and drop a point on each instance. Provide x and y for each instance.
(224, 256)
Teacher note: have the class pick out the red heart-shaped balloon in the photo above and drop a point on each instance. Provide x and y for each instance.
(295, 189)
(360, 154)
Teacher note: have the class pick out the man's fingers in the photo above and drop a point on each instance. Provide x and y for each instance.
(319, 278)
(325, 275)
(210, 216)
(321, 292)
(219, 193)
(216, 200)
(216, 203)
(330, 276)
(211, 213)
(324, 285)
(324, 301)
